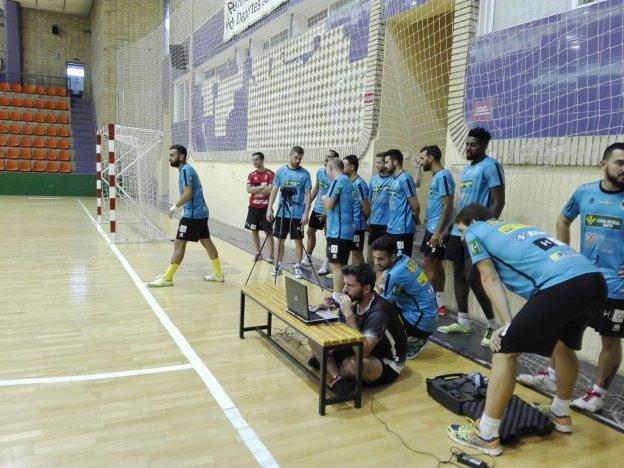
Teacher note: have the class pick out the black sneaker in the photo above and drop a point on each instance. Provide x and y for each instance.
(340, 386)
(313, 362)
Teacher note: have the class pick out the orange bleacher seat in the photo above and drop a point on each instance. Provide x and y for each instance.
(51, 155)
(50, 105)
(63, 132)
(38, 154)
(63, 144)
(64, 155)
(27, 117)
(24, 165)
(40, 142)
(51, 118)
(12, 153)
(16, 129)
(62, 106)
(6, 87)
(39, 117)
(38, 166)
(51, 143)
(65, 167)
(3, 140)
(51, 91)
(4, 128)
(14, 141)
(63, 119)
(27, 129)
(52, 131)
(27, 103)
(5, 101)
(16, 116)
(16, 102)
(61, 92)
(25, 153)
(2, 166)
(29, 89)
(25, 142)
(2, 153)
(39, 104)
(40, 131)
(12, 165)
(40, 90)
(52, 166)
(4, 115)
(16, 88)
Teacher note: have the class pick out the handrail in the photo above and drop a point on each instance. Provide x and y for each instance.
(36, 79)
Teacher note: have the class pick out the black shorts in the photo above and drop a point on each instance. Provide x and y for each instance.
(375, 231)
(610, 322)
(414, 331)
(256, 220)
(388, 374)
(455, 250)
(405, 243)
(338, 250)
(317, 221)
(558, 313)
(193, 229)
(284, 226)
(358, 240)
(426, 249)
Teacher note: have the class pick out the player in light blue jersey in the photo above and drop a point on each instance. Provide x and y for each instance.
(361, 207)
(482, 181)
(403, 203)
(293, 183)
(437, 218)
(379, 190)
(600, 207)
(194, 222)
(406, 284)
(564, 291)
(318, 215)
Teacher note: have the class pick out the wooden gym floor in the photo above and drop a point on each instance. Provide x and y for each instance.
(125, 376)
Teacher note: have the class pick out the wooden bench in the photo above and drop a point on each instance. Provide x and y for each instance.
(327, 336)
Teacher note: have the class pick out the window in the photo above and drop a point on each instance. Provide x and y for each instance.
(181, 101)
(216, 71)
(339, 5)
(316, 19)
(279, 38)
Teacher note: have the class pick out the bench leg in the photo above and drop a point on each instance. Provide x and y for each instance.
(359, 355)
(322, 389)
(241, 324)
(269, 317)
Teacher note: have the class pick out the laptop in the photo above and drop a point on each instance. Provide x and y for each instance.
(297, 304)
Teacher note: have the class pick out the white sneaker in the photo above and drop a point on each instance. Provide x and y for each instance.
(324, 268)
(306, 261)
(541, 381)
(276, 271)
(214, 278)
(591, 401)
(298, 272)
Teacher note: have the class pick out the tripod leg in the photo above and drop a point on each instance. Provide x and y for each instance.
(255, 261)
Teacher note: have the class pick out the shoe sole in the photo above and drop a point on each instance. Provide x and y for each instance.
(538, 387)
(455, 332)
(588, 410)
(158, 285)
(487, 451)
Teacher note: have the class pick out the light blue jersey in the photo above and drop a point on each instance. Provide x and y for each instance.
(407, 285)
(379, 190)
(299, 179)
(323, 185)
(602, 230)
(475, 183)
(401, 220)
(360, 192)
(196, 207)
(442, 185)
(340, 217)
(526, 258)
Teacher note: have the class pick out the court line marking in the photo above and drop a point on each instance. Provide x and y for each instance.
(90, 377)
(44, 198)
(245, 431)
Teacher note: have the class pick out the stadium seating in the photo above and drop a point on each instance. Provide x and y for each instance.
(38, 166)
(2, 165)
(24, 165)
(52, 166)
(12, 165)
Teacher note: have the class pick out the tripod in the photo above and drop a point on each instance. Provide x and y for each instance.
(284, 207)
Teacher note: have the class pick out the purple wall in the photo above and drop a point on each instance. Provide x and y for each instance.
(394, 7)
(13, 42)
(558, 76)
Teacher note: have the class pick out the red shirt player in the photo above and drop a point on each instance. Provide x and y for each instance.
(259, 184)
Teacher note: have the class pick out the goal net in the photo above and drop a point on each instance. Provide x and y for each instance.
(131, 193)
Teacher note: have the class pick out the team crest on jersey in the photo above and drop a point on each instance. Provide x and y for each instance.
(411, 265)
(422, 278)
(603, 222)
(474, 247)
(396, 289)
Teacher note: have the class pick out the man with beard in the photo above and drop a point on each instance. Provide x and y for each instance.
(194, 223)
(600, 205)
(482, 181)
(437, 218)
(361, 207)
(378, 320)
(379, 190)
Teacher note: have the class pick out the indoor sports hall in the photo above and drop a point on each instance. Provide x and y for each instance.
(121, 120)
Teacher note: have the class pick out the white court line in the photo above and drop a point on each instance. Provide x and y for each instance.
(245, 431)
(89, 377)
(44, 198)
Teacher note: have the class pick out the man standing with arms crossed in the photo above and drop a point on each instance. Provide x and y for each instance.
(259, 184)
(361, 207)
(437, 219)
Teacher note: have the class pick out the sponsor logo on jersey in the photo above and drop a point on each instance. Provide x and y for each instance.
(465, 185)
(475, 247)
(511, 227)
(603, 222)
(525, 235)
(396, 289)
(422, 278)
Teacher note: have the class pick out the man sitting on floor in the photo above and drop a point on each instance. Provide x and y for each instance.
(385, 341)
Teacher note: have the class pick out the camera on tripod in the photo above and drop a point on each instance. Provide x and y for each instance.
(288, 192)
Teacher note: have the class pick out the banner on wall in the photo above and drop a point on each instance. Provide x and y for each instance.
(240, 14)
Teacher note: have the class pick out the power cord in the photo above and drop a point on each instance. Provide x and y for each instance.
(455, 451)
(288, 334)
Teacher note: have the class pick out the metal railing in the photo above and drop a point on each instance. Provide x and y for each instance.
(36, 79)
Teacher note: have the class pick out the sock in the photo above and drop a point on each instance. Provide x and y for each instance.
(597, 389)
(216, 267)
(488, 427)
(551, 374)
(336, 297)
(440, 299)
(492, 323)
(297, 265)
(560, 407)
(173, 267)
(463, 318)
